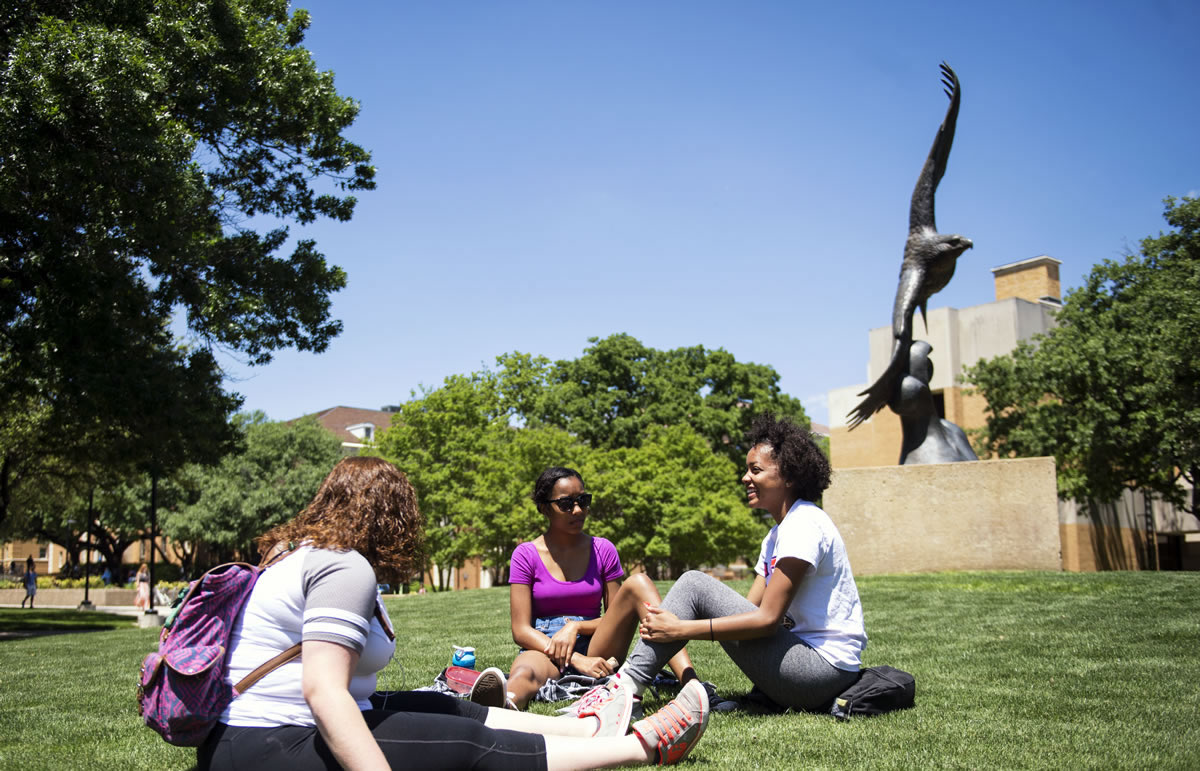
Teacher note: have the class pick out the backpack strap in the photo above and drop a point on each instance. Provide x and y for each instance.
(383, 622)
(276, 553)
(267, 667)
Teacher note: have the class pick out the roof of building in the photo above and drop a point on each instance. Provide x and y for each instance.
(1032, 262)
(338, 420)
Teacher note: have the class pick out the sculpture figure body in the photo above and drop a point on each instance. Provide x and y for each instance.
(929, 261)
(927, 437)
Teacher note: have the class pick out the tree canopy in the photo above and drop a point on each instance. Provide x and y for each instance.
(1112, 392)
(652, 432)
(619, 388)
(154, 153)
(269, 480)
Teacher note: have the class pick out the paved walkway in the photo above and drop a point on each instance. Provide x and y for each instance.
(120, 610)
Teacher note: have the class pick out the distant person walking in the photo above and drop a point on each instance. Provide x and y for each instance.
(143, 587)
(30, 582)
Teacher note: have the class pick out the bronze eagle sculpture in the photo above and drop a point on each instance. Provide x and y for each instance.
(929, 260)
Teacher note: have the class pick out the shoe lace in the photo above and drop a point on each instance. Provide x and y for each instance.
(669, 723)
(591, 700)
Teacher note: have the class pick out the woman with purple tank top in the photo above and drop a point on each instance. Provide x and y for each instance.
(559, 581)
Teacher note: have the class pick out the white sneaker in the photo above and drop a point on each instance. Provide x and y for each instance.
(611, 704)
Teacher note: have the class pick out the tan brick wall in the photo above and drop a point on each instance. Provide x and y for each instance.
(974, 411)
(1087, 548)
(1031, 283)
(874, 443)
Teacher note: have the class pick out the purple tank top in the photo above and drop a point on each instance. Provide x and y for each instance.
(552, 597)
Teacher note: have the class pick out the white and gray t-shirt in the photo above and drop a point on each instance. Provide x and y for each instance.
(312, 594)
(826, 607)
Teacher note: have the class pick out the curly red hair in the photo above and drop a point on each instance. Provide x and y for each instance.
(365, 504)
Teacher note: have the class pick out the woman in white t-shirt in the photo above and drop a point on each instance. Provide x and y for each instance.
(798, 634)
(321, 711)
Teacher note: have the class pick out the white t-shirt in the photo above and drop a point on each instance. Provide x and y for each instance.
(312, 594)
(826, 609)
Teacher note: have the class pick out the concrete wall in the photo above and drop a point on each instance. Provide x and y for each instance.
(69, 597)
(989, 515)
(961, 337)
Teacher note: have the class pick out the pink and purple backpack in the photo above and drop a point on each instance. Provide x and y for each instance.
(184, 686)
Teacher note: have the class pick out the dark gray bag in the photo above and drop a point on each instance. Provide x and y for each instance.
(877, 690)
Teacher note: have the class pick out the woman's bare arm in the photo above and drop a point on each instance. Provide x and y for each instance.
(663, 626)
(325, 682)
(520, 611)
(755, 594)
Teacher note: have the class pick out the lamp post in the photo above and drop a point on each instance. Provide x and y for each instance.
(153, 532)
(87, 563)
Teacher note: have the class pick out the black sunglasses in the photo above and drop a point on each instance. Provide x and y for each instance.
(567, 503)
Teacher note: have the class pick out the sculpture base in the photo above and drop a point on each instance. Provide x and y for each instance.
(987, 515)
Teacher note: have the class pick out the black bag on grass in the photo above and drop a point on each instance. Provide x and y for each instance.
(877, 690)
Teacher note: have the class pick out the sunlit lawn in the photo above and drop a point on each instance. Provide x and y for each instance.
(1014, 670)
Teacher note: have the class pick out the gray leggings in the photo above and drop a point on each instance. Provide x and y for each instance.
(781, 665)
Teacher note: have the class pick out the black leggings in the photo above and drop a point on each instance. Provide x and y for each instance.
(415, 729)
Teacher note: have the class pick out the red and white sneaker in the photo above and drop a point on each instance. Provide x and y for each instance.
(674, 730)
(610, 703)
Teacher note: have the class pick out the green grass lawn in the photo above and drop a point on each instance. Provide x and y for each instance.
(20, 622)
(1014, 670)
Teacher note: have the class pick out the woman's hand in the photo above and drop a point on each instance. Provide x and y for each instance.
(562, 645)
(592, 666)
(660, 625)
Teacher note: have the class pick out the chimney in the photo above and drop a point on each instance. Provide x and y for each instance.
(1035, 280)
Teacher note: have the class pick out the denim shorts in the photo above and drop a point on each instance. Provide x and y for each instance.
(549, 626)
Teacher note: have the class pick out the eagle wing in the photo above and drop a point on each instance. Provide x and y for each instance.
(879, 393)
(920, 214)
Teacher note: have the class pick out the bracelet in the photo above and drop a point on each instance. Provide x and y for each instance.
(710, 632)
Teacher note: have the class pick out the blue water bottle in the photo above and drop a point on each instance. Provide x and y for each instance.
(463, 657)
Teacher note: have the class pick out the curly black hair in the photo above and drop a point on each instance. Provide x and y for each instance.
(545, 483)
(801, 462)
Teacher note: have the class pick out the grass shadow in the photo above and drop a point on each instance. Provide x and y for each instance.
(21, 623)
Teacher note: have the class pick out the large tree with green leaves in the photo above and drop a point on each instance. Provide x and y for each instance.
(652, 431)
(470, 469)
(614, 393)
(1112, 392)
(268, 480)
(153, 154)
(95, 506)
(671, 503)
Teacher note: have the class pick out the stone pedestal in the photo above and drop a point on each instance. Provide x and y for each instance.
(982, 515)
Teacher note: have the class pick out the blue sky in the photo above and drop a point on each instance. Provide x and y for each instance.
(730, 174)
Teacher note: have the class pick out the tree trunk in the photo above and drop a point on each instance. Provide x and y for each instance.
(5, 487)
(1195, 480)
